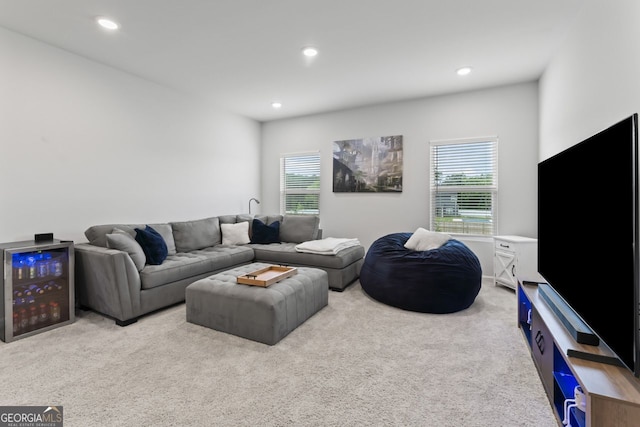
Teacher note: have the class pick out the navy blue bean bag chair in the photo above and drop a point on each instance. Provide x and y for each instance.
(442, 280)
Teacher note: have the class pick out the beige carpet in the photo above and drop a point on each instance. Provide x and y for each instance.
(355, 363)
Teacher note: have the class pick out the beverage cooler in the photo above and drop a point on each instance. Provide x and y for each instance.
(38, 287)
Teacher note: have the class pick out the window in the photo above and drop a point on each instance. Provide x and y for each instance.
(300, 183)
(464, 186)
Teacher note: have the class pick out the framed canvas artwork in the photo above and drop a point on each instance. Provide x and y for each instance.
(368, 165)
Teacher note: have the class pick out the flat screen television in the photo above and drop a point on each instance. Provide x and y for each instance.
(588, 235)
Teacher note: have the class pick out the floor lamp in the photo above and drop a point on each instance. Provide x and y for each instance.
(253, 199)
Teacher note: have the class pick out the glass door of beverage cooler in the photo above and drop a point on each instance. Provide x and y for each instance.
(38, 289)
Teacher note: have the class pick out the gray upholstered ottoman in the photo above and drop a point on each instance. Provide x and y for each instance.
(261, 314)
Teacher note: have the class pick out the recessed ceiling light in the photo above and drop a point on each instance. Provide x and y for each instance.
(463, 71)
(107, 23)
(309, 51)
(276, 104)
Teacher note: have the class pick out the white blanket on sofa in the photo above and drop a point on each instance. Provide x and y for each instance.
(327, 246)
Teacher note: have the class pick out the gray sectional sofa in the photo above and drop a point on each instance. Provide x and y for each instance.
(114, 278)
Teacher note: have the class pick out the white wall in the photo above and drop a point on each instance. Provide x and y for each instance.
(594, 79)
(510, 112)
(84, 144)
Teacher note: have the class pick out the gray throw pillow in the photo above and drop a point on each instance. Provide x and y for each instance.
(97, 234)
(166, 232)
(198, 234)
(299, 228)
(122, 241)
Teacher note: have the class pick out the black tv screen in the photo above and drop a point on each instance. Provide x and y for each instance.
(588, 234)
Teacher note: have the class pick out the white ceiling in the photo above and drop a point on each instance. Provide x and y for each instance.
(243, 54)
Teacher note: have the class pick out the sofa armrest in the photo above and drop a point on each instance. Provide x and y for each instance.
(108, 282)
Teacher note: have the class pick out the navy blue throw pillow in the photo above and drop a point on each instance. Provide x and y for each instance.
(263, 233)
(153, 245)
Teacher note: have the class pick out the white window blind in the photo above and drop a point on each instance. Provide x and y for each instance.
(300, 183)
(464, 186)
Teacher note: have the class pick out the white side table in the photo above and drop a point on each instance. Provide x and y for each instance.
(515, 258)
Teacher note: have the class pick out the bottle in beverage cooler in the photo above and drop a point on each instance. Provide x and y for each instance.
(18, 267)
(43, 313)
(27, 292)
(55, 266)
(42, 266)
(52, 286)
(18, 302)
(36, 290)
(31, 267)
(55, 311)
(23, 321)
(33, 316)
(48, 263)
(16, 323)
(18, 298)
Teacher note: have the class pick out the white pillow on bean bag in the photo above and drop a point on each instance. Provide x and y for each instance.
(425, 240)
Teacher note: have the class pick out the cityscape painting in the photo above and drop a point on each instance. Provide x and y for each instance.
(368, 165)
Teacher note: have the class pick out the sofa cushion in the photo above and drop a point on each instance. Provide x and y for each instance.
(263, 233)
(227, 219)
(248, 218)
(166, 232)
(197, 234)
(235, 234)
(244, 217)
(97, 234)
(183, 266)
(153, 245)
(299, 228)
(285, 253)
(123, 241)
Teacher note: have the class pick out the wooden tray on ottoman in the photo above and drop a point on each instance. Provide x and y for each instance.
(267, 276)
